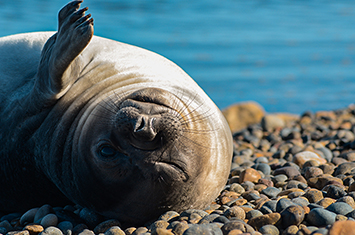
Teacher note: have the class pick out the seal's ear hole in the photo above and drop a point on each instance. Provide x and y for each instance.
(107, 151)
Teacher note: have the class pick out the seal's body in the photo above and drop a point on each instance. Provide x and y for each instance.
(109, 126)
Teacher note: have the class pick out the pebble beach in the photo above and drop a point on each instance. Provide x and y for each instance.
(290, 175)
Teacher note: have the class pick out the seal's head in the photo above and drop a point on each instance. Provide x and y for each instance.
(141, 154)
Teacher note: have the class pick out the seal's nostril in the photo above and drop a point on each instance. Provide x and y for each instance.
(144, 129)
(140, 124)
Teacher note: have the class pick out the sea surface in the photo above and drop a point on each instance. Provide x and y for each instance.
(289, 56)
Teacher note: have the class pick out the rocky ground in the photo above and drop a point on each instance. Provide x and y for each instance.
(290, 175)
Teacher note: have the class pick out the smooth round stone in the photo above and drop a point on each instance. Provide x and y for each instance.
(320, 231)
(311, 172)
(41, 212)
(201, 229)
(335, 192)
(271, 192)
(86, 232)
(269, 229)
(49, 220)
(104, 226)
(328, 155)
(156, 225)
(282, 204)
(169, 215)
(237, 224)
(220, 219)
(263, 167)
(52, 231)
(140, 230)
(313, 195)
(251, 196)
(300, 201)
(115, 230)
(292, 215)
(320, 217)
(208, 218)
(261, 160)
(253, 213)
(23, 232)
(66, 227)
(325, 202)
(249, 174)
(289, 171)
(302, 157)
(189, 212)
(29, 216)
(3, 230)
(236, 212)
(271, 205)
(260, 221)
(79, 228)
(340, 208)
(266, 210)
(344, 168)
(247, 185)
(266, 182)
(348, 200)
(270, 122)
(342, 227)
(34, 228)
(235, 187)
(279, 178)
(296, 184)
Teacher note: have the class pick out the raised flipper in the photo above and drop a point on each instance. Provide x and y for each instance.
(58, 69)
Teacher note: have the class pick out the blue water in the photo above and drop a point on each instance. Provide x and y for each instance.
(290, 56)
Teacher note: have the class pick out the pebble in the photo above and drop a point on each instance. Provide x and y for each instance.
(115, 230)
(260, 221)
(342, 227)
(269, 229)
(271, 192)
(302, 157)
(49, 220)
(321, 217)
(249, 174)
(292, 215)
(52, 231)
(340, 208)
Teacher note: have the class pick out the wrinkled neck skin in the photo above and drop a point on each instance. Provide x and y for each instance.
(88, 115)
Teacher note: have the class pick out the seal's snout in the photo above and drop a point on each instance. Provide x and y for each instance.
(144, 128)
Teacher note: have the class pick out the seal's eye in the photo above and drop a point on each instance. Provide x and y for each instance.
(107, 151)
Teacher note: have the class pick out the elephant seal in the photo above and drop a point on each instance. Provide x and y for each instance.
(109, 126)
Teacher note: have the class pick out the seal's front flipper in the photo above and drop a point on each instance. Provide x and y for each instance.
(57, 70)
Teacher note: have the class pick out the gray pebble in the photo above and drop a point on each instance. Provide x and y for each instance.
(282, 204)
(263, 167)
(29, 216)
(253, 213)
(90, 217)
(271, 192)
(49, 220)
(66, 227)
(41, 212)
(320, 217)
(209, 218)
(269, 229)
(341, 208)
(335, 192)
(51, 231)
(201, 229)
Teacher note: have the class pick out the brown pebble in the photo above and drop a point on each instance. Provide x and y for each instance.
(302, 157)
(266, 182)
(249, 174)
(342, 227)
(180, 228)
(325, 202)
(313, 195)
(348, 200)
(162, 231)
(312, 172)
(235, 211)
(258, 222)
(235, 232)
(33, 229)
